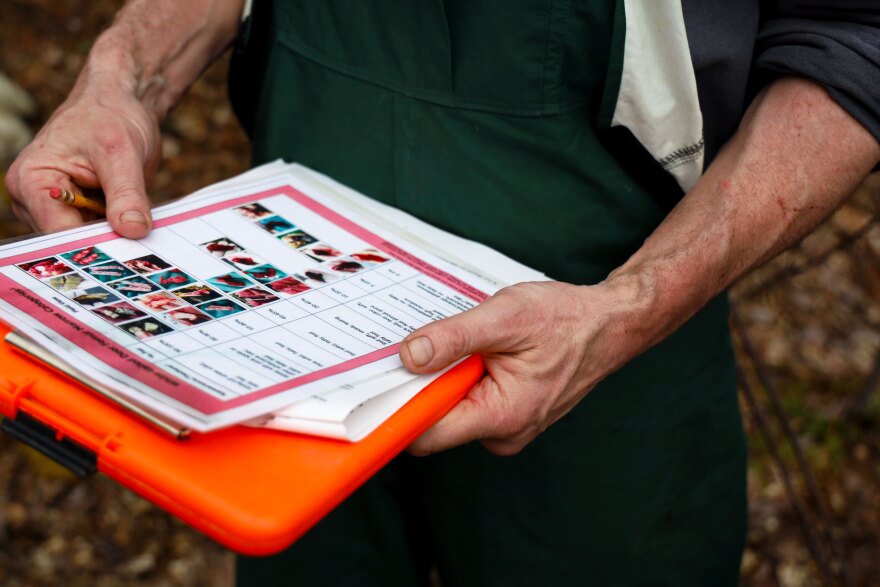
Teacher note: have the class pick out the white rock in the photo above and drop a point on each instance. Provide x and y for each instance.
(14, 135)
(14, 100)
(15, 105)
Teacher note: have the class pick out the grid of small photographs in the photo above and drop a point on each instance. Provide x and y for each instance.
(147, 296)
(334, 263)
(143, 297)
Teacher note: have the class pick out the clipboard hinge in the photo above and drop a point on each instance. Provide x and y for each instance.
(67, 453)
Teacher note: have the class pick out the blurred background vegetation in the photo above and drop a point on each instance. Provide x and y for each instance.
(807, 328)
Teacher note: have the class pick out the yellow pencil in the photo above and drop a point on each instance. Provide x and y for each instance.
(77, 200)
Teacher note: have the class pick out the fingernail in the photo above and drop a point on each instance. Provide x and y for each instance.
(133, 216)
(421, 350)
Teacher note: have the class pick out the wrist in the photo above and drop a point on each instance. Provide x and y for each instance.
(156, 49)
(634, 300)
(116, 67)
(650, 302)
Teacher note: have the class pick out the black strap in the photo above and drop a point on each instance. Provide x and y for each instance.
(247, 66)
(43, 438)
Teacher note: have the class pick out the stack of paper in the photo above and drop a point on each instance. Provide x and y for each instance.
(277, 298)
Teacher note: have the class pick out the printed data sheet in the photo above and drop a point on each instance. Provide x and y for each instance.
(238, 303)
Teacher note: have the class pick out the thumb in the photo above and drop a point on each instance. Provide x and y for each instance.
(439, 344)
(474, 417)
(121, 174)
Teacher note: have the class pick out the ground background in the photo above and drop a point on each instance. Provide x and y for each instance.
(813, 317)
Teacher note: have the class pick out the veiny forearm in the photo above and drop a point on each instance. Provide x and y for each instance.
(547, 344)
(155, 49)
(796, 157)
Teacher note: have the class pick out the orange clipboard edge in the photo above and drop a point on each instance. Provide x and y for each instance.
(253, 490)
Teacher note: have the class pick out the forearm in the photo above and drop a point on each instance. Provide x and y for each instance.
(545, 345)
(796, 157)
(155, 49)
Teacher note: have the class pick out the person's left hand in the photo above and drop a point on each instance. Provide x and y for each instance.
(545, 346)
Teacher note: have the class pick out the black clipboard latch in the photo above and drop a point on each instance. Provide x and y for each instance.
(67, 453)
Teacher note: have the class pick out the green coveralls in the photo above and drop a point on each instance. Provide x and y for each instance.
(481, 117)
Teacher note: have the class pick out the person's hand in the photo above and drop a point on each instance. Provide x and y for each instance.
(545, 346)
(106, 134)
(97, 139)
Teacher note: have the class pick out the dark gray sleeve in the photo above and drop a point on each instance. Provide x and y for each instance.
(833, 42)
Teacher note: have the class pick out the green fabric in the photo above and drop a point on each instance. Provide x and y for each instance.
(481, 117)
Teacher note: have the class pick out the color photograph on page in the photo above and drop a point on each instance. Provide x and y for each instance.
(242, 301)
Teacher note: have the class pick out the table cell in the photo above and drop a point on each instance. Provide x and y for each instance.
(281, 313)
(248, 323)
(212, 333)
(175, 344)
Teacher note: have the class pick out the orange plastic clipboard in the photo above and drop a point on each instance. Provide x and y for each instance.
(255, 491)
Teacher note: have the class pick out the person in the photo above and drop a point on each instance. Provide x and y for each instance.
(652, 151)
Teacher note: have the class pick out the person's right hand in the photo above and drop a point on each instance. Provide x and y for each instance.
(99, 138)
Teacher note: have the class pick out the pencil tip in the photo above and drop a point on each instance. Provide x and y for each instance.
(55, 193)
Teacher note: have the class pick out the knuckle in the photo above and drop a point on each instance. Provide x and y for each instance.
(516, 311)
(112, 142)
(125, 193)
(132, 133)
(456, 340)
(511, 423)
(500, 419)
